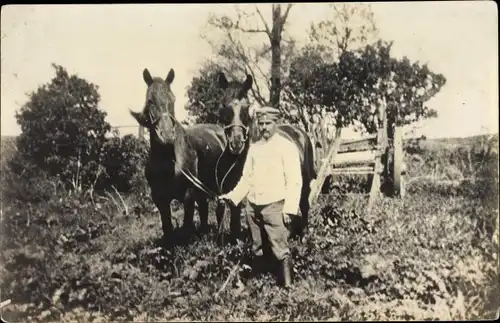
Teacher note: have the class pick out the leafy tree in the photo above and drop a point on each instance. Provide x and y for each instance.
(63, 130)
(349, 26)
(204, 95)
(241, 52)
(123, 161)
(355, 86)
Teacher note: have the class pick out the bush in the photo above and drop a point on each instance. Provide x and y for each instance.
(429, 256)
(63, 130)
(123, 161)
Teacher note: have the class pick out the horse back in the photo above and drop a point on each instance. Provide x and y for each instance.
(206, 137)
(300, 138)
(208, 141)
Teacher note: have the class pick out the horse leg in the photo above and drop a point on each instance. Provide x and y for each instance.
(220, 209)
(162, 202)
(219, 212)
(203, 213)
(304, 210)
(235, 222)
(188, 226)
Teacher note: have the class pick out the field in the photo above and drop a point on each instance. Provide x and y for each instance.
(433, 255)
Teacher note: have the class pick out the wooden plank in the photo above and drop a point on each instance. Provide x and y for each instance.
(362, 144)
(381, 143)
(325, 167)
(398, 180)
(353, 170)
(5, 303)
(367, 172)
(359, 140)
(354, 158)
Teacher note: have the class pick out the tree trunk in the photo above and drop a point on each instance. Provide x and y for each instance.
(276, 56)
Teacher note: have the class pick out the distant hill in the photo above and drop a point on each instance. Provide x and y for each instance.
(436, 143)
(8, 146)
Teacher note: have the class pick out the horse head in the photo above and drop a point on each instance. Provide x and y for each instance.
(235, 112)
(158, 115)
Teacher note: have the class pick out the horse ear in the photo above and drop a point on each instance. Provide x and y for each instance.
(147, 77)
(251, 110)
(247, 85)
(170, 76)
(222, 80)
(139, 117)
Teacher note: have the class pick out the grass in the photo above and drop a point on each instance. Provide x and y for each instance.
(433, 255)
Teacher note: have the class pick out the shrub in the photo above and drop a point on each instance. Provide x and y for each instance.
(123, 161)
(424, 257)
(63, 130)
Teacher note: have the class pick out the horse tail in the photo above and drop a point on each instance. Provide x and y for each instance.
(309, 158)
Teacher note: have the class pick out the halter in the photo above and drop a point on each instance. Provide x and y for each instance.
(193, 179)
(155, 122)
(245, 129)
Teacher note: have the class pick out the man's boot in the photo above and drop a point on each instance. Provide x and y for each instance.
(285, 275)
(257, 265)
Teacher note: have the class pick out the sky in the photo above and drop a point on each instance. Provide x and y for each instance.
(110, 45)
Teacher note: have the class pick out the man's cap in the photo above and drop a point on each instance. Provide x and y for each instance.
(267, 112)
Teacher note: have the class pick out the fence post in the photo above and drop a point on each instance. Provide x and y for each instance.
(141, 132)
(325, 167)
(381, 148)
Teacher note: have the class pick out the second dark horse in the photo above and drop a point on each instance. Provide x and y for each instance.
(237, 117)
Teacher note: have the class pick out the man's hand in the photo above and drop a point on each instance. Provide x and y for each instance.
(286, 218)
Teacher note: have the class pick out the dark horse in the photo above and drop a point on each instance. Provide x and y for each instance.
(178, 153)
(237, 117)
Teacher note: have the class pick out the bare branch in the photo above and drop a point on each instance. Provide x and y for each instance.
(268, 31)
(285, 16)
(245, 60)
(258, 97)
(252, 30)
(246, 66)
(268, 82)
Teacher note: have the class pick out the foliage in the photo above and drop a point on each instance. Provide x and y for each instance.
(204, 95)
(63, 130)
(123, 161)
(63, 145)
(360, 82)
(74, 259)
(349, 27)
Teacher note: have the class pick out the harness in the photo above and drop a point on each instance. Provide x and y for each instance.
(189, 176)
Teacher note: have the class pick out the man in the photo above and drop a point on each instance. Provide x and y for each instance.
(272, 182)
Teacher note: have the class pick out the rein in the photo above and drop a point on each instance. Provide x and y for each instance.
(193, 179)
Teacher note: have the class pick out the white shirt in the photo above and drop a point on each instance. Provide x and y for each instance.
(271, 173)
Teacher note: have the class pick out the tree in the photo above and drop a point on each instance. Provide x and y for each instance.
(263, 59)
(354, 87)
(204, 95)
(63, 130)
(349, 26)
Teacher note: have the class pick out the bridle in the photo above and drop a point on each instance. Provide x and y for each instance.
(193, 179)
(245, 134)
(246, 129)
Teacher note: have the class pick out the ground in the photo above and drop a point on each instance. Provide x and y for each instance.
(433, 255)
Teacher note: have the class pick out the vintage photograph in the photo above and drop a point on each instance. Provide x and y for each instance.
(249, 162)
